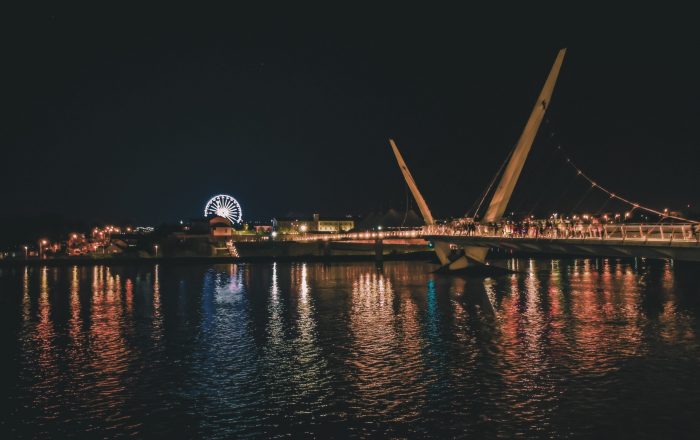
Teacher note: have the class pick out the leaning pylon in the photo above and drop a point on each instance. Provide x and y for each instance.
(441, 249)
(510, 176)
(504, 191)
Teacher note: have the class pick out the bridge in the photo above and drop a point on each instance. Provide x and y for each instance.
(679, 241)
(676, 241)
(466, 242)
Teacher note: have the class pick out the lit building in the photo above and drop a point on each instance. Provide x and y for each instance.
(220, 227)
(314, 224)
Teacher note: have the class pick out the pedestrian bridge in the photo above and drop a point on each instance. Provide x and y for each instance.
(676, 240)
(465, 242)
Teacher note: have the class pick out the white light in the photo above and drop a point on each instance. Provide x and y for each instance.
(274, 234)
(225, 206)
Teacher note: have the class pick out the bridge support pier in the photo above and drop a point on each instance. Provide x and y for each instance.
(379, 249)
(326, 250)
(472, 256)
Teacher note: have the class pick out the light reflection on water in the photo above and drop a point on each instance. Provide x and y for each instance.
(595, 347)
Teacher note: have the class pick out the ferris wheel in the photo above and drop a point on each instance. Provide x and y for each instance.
(224, 206)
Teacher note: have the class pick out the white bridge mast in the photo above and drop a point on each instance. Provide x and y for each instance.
(505, 188)
(442, 250)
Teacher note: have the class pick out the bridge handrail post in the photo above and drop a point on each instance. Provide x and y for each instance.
(672, 233)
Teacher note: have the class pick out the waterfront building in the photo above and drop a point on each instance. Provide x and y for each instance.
(220, 227)
(211, 236)
(315, 223)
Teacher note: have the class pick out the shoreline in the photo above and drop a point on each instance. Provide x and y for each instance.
(427, 256)
(115, 261)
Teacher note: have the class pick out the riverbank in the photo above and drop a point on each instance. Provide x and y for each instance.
(118, 260)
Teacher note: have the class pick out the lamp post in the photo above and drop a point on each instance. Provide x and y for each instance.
(42, 243)
(26, 251)
(156, 248)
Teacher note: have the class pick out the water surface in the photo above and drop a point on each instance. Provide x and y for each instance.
(562, 349)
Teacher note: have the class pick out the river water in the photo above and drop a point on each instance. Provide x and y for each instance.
(562, 349)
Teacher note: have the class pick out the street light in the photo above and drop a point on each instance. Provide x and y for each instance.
(42, 243)
(156, 247)
(26, 251)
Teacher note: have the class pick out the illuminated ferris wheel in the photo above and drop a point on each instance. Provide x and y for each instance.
(224, 206)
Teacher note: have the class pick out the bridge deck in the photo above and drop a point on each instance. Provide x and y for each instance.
(687, 250)
(678, 241)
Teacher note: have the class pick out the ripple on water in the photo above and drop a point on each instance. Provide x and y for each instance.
(565, 348)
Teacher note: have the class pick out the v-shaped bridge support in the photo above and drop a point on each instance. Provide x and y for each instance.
(505, 188)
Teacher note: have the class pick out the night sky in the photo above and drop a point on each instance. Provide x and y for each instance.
(142, 115)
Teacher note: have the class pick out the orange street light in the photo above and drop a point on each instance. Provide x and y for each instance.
(42, 243)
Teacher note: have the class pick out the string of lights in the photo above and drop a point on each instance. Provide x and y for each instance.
(634, 205)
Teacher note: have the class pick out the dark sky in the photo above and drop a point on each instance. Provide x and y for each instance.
(144, 114)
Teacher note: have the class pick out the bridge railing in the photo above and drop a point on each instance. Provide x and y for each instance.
(333, 236)
(685, 232)
(369, 235)
(637, 232)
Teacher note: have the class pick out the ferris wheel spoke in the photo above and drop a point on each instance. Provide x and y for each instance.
(224, 205)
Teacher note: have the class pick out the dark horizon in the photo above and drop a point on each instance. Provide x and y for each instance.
(114, 116)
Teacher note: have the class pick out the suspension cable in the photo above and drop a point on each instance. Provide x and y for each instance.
(613, 195)
(583, 197)
(493, 181)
